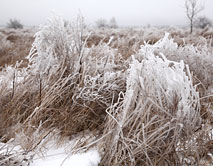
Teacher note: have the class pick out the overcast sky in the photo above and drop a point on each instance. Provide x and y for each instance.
(126, 12)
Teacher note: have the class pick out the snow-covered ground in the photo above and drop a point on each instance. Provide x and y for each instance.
(58, 157)
(55, 156)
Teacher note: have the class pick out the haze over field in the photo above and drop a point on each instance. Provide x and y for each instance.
(93, 84)
(126, 12)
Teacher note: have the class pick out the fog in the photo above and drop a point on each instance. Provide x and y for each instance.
(126, 12)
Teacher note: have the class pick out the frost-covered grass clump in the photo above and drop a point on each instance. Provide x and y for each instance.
(199, 58)
(66, 85)
(159, 108)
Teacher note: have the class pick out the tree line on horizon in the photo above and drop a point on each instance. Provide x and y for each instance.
(192, 10)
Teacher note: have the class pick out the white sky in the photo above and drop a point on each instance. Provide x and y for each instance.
(126, 12)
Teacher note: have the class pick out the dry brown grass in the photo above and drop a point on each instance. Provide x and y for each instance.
(81, 96)
(20, 45)
(63, 99)
(144, 126)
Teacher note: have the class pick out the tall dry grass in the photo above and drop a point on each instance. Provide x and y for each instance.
(159, 110)
(65, 86)
(152, 109)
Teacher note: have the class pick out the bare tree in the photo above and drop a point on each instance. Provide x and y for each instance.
(101, 23)
(192, 9)
(15, 24)
(113, 23)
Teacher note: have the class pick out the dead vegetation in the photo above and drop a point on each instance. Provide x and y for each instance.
(150, 121)
(145, 101)
(15, 46)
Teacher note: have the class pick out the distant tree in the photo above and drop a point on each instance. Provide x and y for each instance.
(66, 23)
(101, 23)
(15, 24)
(193, 8)
(113, 23)
(148, 25)
(203, 22)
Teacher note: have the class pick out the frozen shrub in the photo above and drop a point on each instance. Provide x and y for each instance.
(197, 57)
(64, 78)
(159, 108)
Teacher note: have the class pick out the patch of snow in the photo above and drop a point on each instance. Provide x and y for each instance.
(59, 157)
(53, 156)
